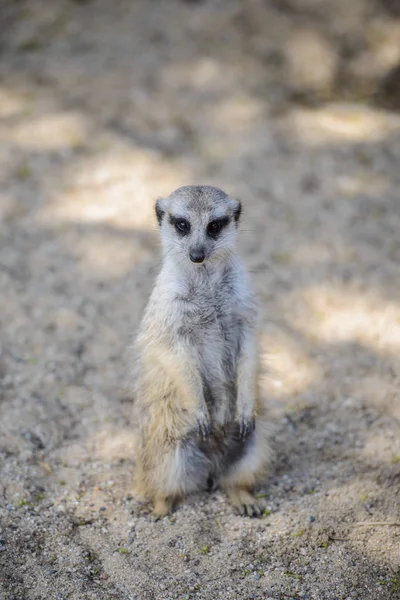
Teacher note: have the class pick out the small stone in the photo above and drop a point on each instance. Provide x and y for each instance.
(102, 508)
(312, 519)
(10, 507)
(257, 576)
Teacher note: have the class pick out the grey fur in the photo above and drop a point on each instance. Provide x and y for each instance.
(197, 355)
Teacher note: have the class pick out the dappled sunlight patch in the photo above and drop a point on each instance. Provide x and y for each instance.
(337, 313)
(118, 185)
(288, 370)
(107, 255)
(100, 438)
(112, 444)
(307, 47)
(378, 393)
(237, 113)
(9, 208)
(383, 37)
(205, 72)
(50, 131)
(352, 186)
(315, 253)
(383, 448)
(13, 103)
(336, 123)
(352, 505)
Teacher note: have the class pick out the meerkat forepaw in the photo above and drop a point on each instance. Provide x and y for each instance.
(203, 427)
(246, 426)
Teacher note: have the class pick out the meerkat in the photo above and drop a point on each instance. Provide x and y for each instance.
(200, 419)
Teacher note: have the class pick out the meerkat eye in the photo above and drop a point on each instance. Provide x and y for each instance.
(215, 227)
(182, 226)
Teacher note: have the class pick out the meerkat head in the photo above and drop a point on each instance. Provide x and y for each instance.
(198, 223)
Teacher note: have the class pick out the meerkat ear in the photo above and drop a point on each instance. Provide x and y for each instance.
(237, 211)
(160, 210)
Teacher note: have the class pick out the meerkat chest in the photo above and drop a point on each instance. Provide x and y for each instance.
(210, 315)
(205, 314)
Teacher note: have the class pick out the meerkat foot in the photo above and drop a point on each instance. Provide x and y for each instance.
(162, 507)
(244, 502)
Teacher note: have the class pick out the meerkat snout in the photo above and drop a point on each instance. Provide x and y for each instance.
(197, 255)
(198, 223)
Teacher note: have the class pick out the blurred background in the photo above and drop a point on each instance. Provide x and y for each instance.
(291, 106)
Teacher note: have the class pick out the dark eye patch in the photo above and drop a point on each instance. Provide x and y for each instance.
(181, 225)
(215, 227)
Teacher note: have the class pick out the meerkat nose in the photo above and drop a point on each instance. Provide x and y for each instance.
(197, 255)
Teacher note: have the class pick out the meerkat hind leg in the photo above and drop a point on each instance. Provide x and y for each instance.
(163, 506)
(183, 470)
(248, 466)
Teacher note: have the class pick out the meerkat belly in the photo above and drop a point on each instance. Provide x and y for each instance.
(219, 365)
(208, 323)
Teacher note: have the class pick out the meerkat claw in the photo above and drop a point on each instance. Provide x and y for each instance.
(204, 429)
(244, 503)
(246, 427)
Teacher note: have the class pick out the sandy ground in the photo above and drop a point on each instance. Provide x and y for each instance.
(105, 106)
